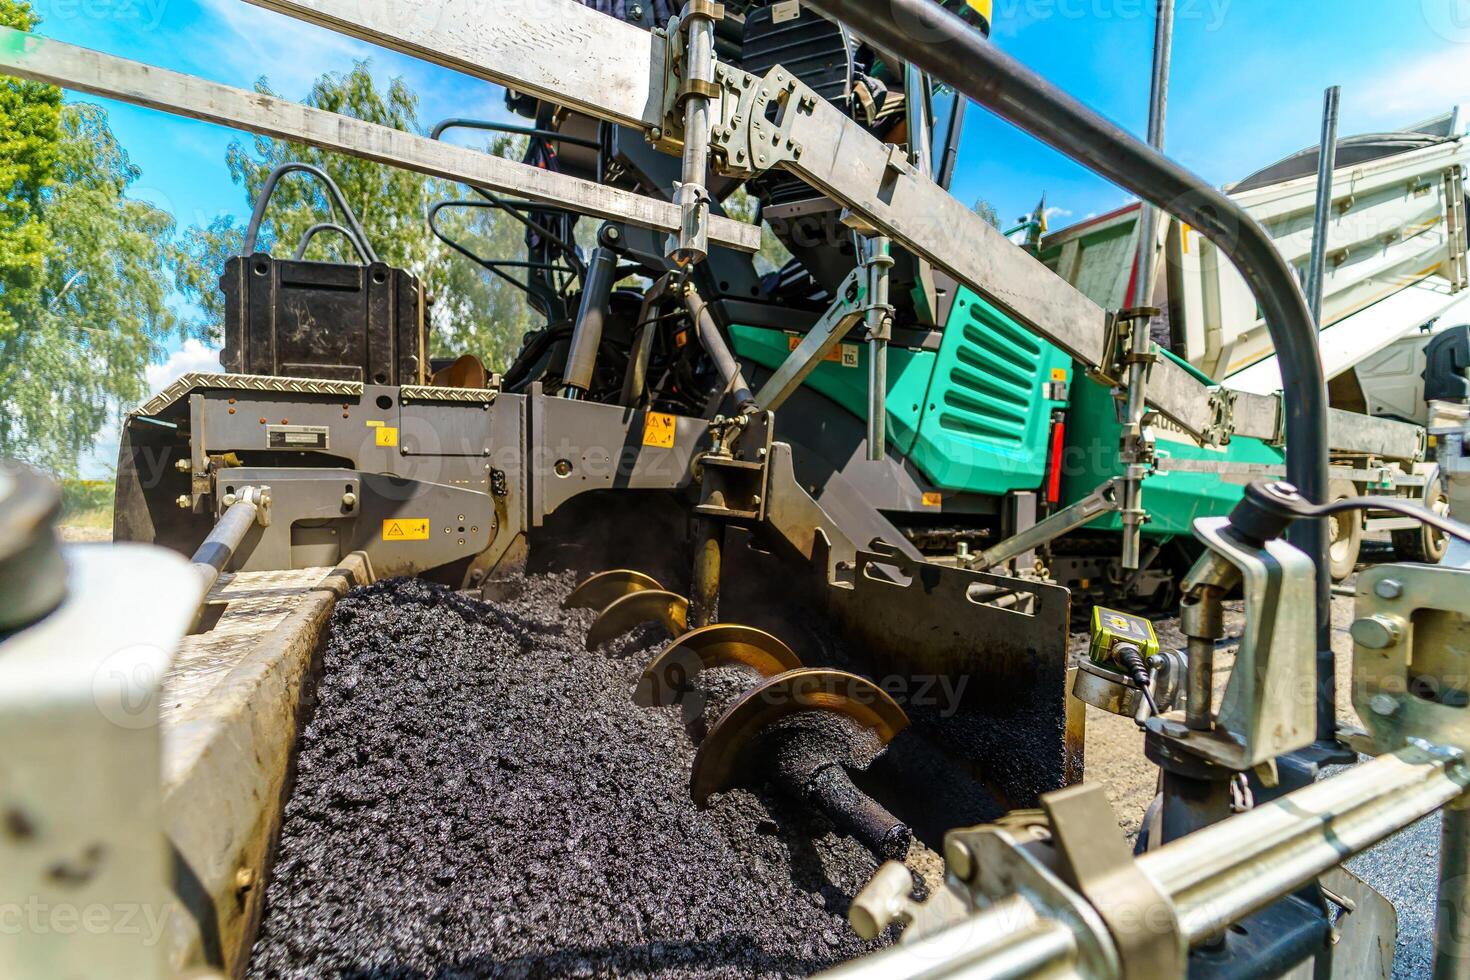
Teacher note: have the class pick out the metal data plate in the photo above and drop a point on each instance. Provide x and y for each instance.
(297, 437)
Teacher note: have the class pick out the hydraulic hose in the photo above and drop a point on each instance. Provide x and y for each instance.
(252, 231)
(921, 32)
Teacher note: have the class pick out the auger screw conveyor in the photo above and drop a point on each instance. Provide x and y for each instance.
(692, 408)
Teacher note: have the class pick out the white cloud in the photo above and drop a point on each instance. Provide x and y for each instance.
(1057, 213)
(192, 358)
(1421, 87)
(288, 52)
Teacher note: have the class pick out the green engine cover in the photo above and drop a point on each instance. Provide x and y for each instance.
(975, 416)
(986, 424)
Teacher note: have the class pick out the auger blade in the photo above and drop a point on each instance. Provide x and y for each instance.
(717, 764)
(599, 591)
(637, 608)
(670, 675)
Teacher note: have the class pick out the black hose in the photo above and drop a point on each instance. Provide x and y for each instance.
(945, 46)
(495, 127)
(364, 247)
(317, 229)
(952, 142)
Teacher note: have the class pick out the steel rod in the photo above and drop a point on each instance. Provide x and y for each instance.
(1158, 111)
(1008, 939)
(216, 550)
(1326, 166)
(1316, 274)
(704, 592)
(718, 351)
(879, 262)
(1228, 870)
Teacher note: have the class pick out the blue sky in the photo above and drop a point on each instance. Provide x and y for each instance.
(1247, 88)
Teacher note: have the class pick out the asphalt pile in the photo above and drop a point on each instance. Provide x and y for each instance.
(478, 796)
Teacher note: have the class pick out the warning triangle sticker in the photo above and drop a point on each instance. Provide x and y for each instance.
(395, 530)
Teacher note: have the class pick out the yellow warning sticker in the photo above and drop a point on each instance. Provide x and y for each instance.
(933, 498)
(1059, 374)
(658, 430)
(844, 354)
(406, 529)
(385, 435)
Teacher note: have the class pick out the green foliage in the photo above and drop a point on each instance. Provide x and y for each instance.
(84, 276)
(29, 131)
(472, 312)
(987, 211)
(741, 206)
(83, 497)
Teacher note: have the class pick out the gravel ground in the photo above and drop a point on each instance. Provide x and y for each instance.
(477, 796)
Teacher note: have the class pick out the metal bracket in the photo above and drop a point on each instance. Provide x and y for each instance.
(1222, 417)
(1270, 704)
(1118, 351)
(1010, 861)
(744, 134)
(847, 309)
(1098, 863)
(1409, 673)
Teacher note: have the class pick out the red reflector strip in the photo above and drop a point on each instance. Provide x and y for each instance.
(1054, 465)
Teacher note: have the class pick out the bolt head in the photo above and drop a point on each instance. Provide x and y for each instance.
(183, 500)
(349, 500)
(1174, 729)
(1389, 588)
(1377, 632)
(960, 861)
(183, 465)
(1382, 704)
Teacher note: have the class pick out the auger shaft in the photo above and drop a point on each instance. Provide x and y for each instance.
(704, 593)
(855, 813)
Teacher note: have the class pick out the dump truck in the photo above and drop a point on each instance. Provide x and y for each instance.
(1395, 280)
(822, 491)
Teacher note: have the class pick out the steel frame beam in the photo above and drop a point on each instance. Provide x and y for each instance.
(68, 66)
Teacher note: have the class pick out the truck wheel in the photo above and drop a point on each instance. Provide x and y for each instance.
(1344, 533)
(1424, 544)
